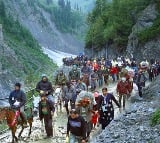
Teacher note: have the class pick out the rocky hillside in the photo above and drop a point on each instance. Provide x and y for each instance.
(29, 24)
(21, 57)
(144, 39)
(37, 19)
(124, 27)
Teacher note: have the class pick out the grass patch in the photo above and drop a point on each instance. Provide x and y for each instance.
(155, 119)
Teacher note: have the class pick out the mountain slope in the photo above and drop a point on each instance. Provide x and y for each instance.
(39, 23)
(21, 57)
(115, 27)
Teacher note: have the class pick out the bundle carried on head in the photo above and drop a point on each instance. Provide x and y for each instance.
(84, 102)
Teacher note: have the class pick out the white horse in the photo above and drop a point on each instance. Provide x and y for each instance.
(57, 95)
(36, 100)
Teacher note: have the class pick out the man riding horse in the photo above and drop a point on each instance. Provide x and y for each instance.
(60, 78)
(86, 71)
(17, 100)
(45, 87)
(74, 74)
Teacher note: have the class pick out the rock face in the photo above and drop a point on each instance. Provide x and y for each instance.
(1, 34)
(6, 76)
(144, 21)
(43, 29)
(109, 51)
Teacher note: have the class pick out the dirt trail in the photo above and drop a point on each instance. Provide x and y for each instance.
(59, 123)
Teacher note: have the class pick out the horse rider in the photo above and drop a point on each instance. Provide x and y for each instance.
(60, 78)
(86, 71)
(17, 100)
(45, 87)
(74, 74)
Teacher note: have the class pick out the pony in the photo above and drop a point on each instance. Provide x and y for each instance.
(12, 118)
(57, 95)
(85, 79)
(35, 102)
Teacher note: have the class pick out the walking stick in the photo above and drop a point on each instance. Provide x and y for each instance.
(53, 125)
(42, 126)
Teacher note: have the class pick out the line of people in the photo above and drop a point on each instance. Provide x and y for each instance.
(79, 87)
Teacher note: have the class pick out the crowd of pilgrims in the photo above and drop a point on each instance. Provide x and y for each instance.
(86, 106)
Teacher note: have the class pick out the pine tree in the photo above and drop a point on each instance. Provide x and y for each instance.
(49, 2)
(61, 3)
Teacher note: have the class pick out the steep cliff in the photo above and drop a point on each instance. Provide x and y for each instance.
(151, 47)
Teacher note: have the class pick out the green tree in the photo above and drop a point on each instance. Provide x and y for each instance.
(112, 21)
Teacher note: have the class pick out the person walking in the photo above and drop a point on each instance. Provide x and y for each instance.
(69, 95)
(140, 81)
(105, 107)
(76, 128)
(123, 90)
(84, 104)
(46, 110)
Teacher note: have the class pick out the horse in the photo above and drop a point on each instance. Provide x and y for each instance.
(57, 95)
(85, 79)
(36, 100)
(11, 116)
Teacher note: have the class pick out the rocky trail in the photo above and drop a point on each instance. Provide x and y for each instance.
(133, 124)
(130, 126)
(59, 126)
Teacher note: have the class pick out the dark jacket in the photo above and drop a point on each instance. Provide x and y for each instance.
(86, 70)
(106, 115)
(60, 79)
(77, 126)
(141, 79)
(18, 95)
(100, 74)
(69, 93)
(74, 75)
(45, 86)
(50, 107)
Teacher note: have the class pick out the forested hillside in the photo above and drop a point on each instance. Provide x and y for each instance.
(22, 57)
(66, 19)
(111, 22)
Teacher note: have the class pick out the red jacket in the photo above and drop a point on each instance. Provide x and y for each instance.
(94, 118)
(123, 87)
(113, 70)
(95, 66)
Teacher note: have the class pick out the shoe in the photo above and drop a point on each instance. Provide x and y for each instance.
(140, 98)
(25, 125)
(47, 137)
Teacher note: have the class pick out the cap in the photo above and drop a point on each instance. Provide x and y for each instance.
(18, 84)
(73, 111)
(44, 75)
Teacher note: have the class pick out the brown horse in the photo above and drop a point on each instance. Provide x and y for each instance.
(86, 79)
(9, 115)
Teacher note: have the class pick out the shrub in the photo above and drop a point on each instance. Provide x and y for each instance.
(155, 119)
